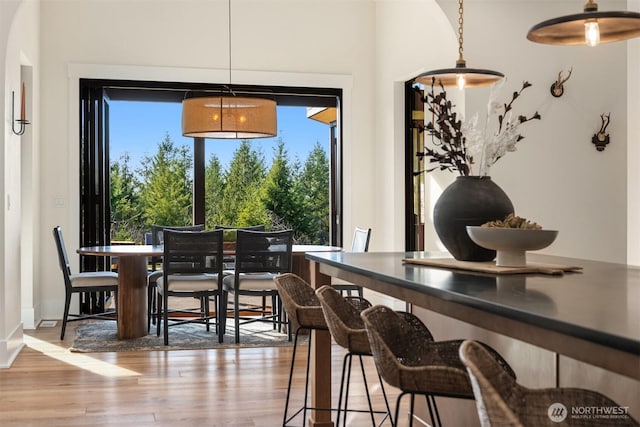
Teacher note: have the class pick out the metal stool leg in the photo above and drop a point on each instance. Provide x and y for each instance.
(293, 361)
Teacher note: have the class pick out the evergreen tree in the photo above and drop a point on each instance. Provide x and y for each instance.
(166, 193)
(312, 186)
(277, 194)
(214, 191)
(255, 213)
(125, 207)
(245, 177)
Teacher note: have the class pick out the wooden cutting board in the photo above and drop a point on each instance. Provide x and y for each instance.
(490, 266)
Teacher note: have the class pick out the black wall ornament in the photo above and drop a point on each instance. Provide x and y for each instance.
(601, 139)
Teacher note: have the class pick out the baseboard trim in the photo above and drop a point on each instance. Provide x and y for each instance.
(11, 347)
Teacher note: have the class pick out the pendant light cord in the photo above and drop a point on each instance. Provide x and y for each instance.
(229, 39)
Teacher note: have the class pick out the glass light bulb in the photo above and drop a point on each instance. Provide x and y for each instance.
(591, 33)
(460, 81)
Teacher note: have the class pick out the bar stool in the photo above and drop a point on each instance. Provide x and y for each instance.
(342, 315)
(501, 401)
(408, 358)
(304, 313)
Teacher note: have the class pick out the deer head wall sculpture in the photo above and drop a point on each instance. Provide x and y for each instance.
(601, 139)
(557, 88)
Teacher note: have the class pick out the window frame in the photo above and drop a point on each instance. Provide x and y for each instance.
(94, 205)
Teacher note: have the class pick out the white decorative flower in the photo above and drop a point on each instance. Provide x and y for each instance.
(461, 145)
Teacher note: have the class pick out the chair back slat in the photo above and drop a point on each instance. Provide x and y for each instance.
(264, 252)
(192, 252)
(157, 231)
(63, 259)
(157, 237)
(361, 237)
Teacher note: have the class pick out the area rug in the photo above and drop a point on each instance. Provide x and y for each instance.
(102, 337)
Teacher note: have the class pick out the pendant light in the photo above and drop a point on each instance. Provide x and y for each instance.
(460, 76)
(228, 116)
(588, 28)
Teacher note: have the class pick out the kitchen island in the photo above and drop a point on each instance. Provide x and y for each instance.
(541, 321)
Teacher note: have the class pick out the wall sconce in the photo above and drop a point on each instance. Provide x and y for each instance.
(22, 121)
(601, 139)
(557, 88)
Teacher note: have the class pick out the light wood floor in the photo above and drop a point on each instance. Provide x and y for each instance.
(49, 386)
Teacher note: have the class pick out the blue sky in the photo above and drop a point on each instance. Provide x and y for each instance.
(138, 127)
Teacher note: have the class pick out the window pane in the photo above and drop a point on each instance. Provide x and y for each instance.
(281, 182)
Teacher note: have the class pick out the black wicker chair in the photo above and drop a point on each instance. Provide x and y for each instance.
(98, 281)
(157, 239)
(260, 256)
(192, 266)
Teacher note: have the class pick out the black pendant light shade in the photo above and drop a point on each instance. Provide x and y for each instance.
(588, 28)
(473, 77)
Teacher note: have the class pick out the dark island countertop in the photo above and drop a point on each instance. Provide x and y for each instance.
(592, 316)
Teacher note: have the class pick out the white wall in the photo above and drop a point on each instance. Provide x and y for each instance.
(18, 63)
(557, 178)
(411, 37)
(633, 146)
(312, 40)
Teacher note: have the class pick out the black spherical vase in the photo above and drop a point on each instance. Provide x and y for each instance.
(469, 200)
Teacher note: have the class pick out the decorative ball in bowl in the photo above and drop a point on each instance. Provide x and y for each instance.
(511, 244)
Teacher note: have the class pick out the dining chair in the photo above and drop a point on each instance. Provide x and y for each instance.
(156, 238)
(260, 256)
(502, 402)
(360, 243)
(192, 265)
(408, 358)
(232, 229)
(90, 281)
(304, 314)
(342, 315)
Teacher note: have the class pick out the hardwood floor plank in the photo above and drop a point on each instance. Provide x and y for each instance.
(49, 386)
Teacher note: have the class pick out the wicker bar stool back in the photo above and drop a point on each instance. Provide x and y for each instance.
(342, 315)
(408, 358)
(502, 402)
(304, 313)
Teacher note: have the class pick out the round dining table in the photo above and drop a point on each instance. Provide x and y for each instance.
(132, 279)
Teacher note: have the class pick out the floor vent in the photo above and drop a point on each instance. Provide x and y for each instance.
(47, 324)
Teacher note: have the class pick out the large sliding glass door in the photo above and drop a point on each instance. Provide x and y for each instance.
(99, 213)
